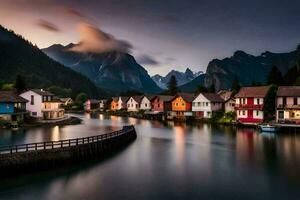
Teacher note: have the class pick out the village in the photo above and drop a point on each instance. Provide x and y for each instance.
(246, 107)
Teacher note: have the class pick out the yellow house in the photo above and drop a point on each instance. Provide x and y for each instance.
(288, 104)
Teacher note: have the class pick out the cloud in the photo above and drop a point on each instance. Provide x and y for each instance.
(170, 59)
(72, 12)
(94, 40)
(47, 25)
(147, 60)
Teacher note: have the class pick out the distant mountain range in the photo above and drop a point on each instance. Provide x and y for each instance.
(20, 57)
(245, 67)
(114, 71)
(181, 77)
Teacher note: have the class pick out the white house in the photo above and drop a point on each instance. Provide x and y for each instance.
(205, 104)
(42, 104)
(146, 102)
(66, 101)
(229, 100)
(133, 103)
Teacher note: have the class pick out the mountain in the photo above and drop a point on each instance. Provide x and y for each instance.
(20, 57)
(114, 71)
(245, 67)
(181, 77)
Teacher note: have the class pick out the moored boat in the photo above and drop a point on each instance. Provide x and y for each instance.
(268, 128)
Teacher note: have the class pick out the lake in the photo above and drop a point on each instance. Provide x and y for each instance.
(167, 161)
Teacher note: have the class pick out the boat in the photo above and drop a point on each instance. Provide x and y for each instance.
(268, 128)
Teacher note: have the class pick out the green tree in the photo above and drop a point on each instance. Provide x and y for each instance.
(172, 86)
(60, 92)
(20, 84)
(269, 104)
(80, 99)
(235, 86)
(275, 76)
(7, 86)
(291, 76)
(200, 89)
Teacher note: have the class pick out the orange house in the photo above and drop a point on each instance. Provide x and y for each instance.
(114, 104)
(182, 105)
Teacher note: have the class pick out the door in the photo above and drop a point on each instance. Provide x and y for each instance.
(250, 114)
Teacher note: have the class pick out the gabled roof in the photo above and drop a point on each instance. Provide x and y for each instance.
(186, 96)
(115, 99)
(149, 96)
(225, 94)
(11, 97)
(41, 92)
(258, 92)
(138, 99)
(124, 99)
(288, 91)
(164, 98)
(212, 97)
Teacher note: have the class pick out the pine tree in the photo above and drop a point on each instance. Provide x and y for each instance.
(275, 76)
(212, 88)
(172, 86)
(20, 84)
(291, 76)
(235, 85)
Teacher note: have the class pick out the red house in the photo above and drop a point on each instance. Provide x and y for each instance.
(249, 103)
(161, 103)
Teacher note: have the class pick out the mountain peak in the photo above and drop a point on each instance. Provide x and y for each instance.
(240, 53)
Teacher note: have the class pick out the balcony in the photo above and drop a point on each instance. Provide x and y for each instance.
(286, 106)
(248, 106)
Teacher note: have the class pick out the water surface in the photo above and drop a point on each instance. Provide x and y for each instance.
(167, 161)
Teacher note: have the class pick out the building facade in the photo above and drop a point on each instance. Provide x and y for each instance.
(249, 103)
(146, 103)
(288, 104)
(12, 106)
(182, 106)
(134, 103)
(43, 104)
(205, 104)
(92, 105)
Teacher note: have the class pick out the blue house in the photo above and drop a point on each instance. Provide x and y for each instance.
(12, 106)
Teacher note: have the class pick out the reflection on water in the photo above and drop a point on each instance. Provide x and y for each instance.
(170, 161)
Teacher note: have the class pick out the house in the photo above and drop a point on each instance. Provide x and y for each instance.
(161, 103)
(205, 104)
(229, 100)
(43, 104)
(134, 103)
(103, 103)
(288, 104)
(249, 103)
(146, 102)
(12, 106)
(118, 103)
(182, 105)
(66, 101)
(91, 105)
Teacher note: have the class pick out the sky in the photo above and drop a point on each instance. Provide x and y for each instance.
(161, 34)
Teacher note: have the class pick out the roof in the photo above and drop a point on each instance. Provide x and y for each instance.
(149, 96)
(11, 97)
(41, 92)
(259, 91)
(288, 91)
(164, 98)
(225, 94)
(137, 98)
(115, 99)
(212, 97)
(65, 99)
(93, 100)
(124, 99)
(186, 96)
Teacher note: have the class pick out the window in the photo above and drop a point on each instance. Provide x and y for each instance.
(146, 105)
(182, 104)
(32, 100)
(44, 98)
(206, 103)
(258, 101)
(257, 113)
(244, 112)
(280, 114)
(136, 105)
(49, 98)
(295, 101)
(176, 104)
(284, 101)
(158, 105)
(199, 103)
(34, 113)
